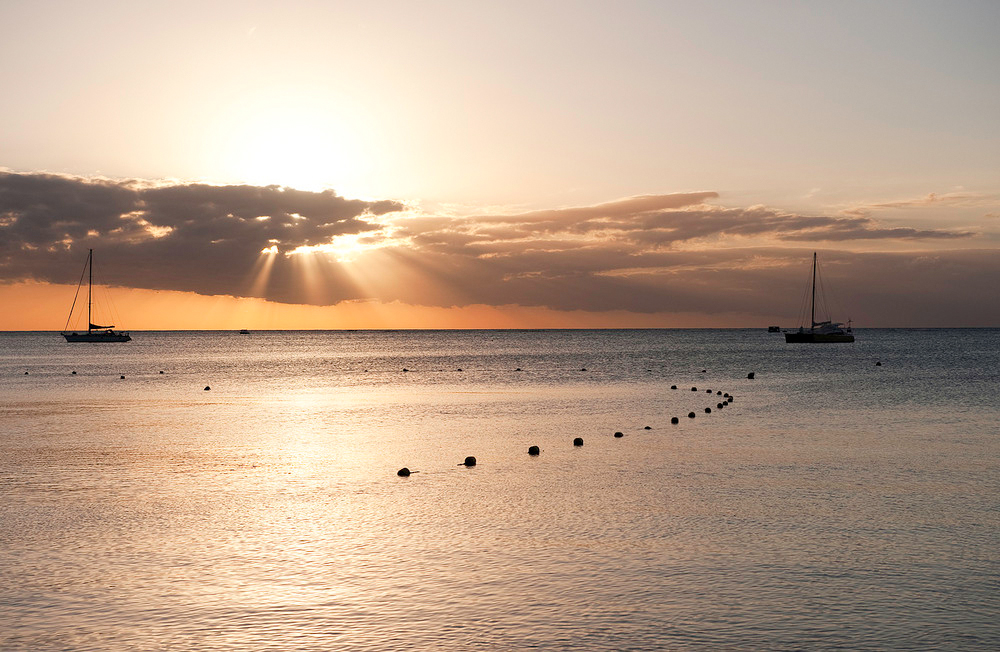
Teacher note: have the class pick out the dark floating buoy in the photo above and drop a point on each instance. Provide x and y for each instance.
(578, 441)
(207, 388)
(673, 387)
(648, 428)
(694, 389)
(674, 420)
(459, 369)
(533, 450)
(718, 405)
(619, 434)
(161, 371)
(403, 472)
(518, 369)
(708, 391)
(690, 415)
(25, 373)
(702, 371)
(583, 369)
(708, 410)
(74, 373)
(750, 376)
(724, 403)
(405, 369)
(718, 393)
(123, 377)
(878, 364)
(469, 461)
(726, 395)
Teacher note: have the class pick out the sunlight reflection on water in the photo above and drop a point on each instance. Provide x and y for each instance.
(847, 508)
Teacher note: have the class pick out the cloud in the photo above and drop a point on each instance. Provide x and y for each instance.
(194, 237)
(952, 199)
(650, 254)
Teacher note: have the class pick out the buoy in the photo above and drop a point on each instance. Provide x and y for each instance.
(694, 389)
(878, 364)
(725, 402)
(673, 387)
(731, 399)
(25, 373)
(533, 450)
(726, 395)
(718, 393)
(708, 410)
(578, 441)
(123, 377)
(469, 461)
(619, 434)
(403, 472)
(74, 373)
(161, 371)
(648, 428)
(518, 369)
(702, 371)
(690, 415)
(584, 369)
(719, 405)
(674, 420)
(207, 388)
(750, 376)
(405, 369)
(708, 391)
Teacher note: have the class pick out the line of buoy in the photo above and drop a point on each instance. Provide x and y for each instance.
(533, 451)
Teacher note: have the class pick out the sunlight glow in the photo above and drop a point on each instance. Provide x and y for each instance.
(347, 247)
(299, 143)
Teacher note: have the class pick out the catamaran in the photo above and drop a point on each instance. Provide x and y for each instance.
(95, 332)
(819, 331)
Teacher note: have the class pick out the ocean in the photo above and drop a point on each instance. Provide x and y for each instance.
(218, 491)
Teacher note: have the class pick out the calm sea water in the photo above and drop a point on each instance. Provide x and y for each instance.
(835, 504)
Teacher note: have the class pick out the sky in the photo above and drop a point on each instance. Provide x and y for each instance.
(515, 164)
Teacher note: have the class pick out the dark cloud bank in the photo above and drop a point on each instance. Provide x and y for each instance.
(659, 253)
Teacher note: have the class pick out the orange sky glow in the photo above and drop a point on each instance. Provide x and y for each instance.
(499, 165)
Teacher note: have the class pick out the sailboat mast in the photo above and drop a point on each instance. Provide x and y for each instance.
(90, 287)
(812, 307)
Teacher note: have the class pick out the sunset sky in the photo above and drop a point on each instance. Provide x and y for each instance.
(503, 164)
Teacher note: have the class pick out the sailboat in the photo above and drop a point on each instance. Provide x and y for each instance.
(95, 332)
(822, 331)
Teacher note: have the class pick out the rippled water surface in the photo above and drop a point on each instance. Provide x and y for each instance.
(835, 504)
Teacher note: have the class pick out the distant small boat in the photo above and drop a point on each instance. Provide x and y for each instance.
(822, 331)
(773, 329)
(244, 331)
(95, 332)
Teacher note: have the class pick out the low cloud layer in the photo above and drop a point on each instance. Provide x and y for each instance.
(658, 253)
